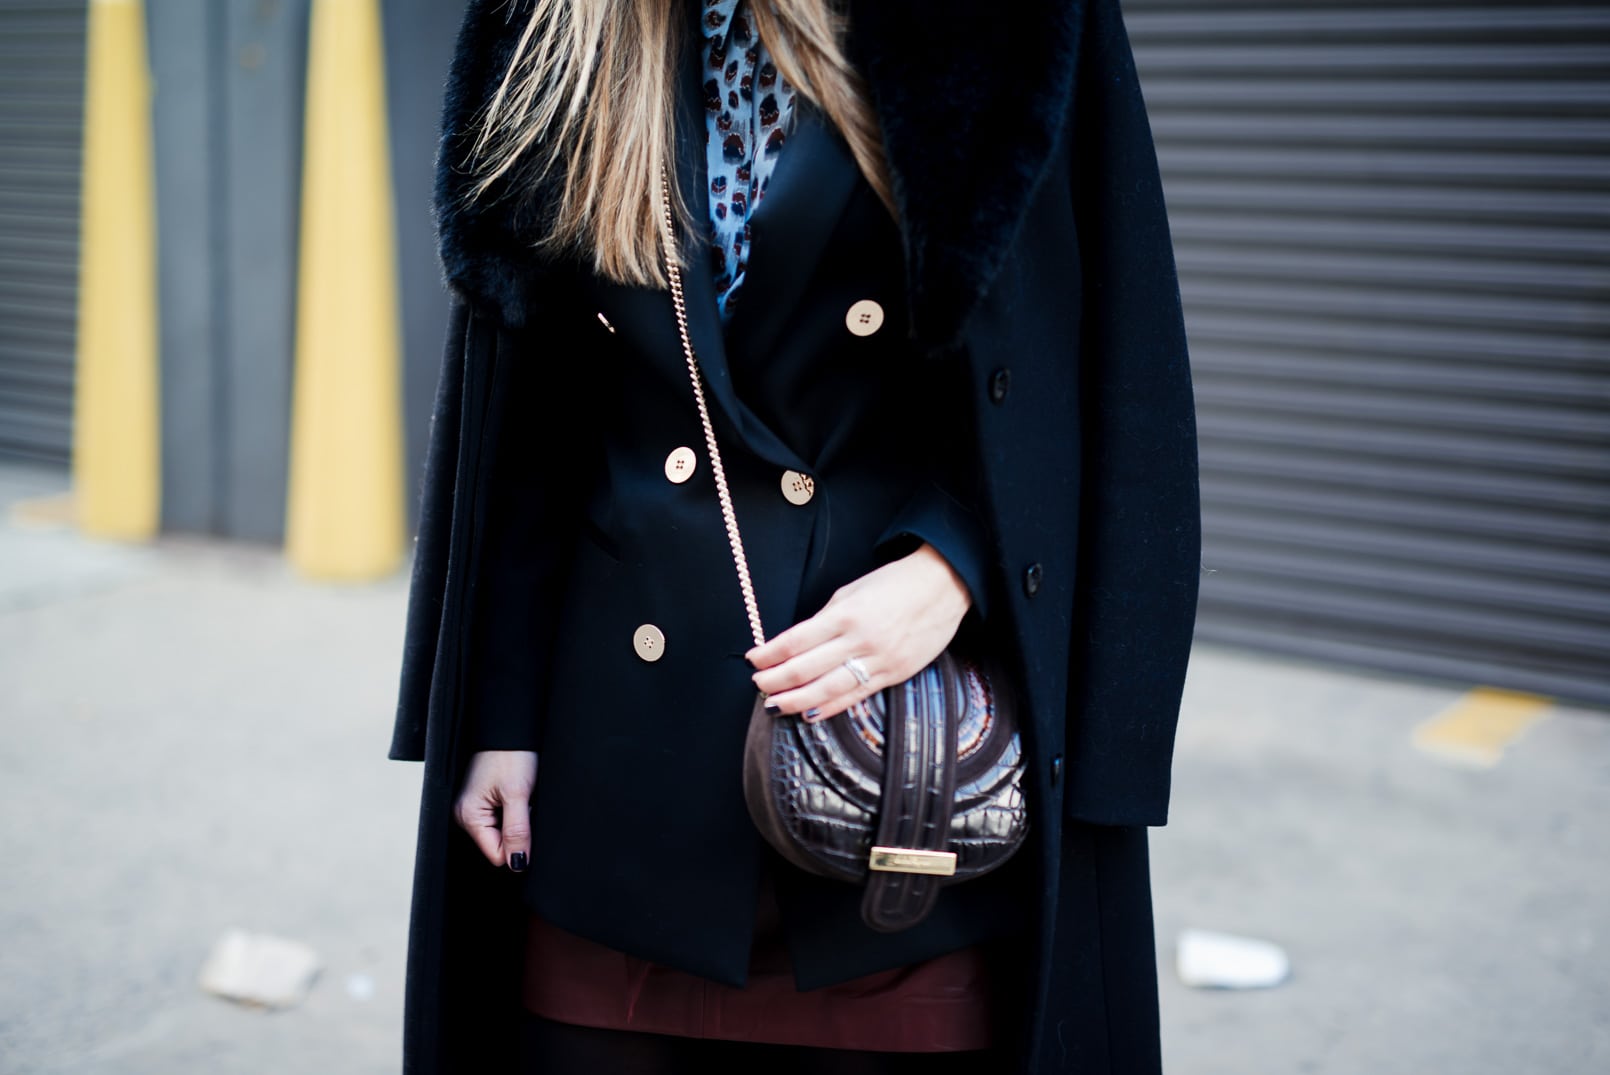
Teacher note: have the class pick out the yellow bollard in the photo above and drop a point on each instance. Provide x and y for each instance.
(344, 509)
(116, 453)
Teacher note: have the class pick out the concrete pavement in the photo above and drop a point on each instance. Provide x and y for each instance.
(192, 738)
(1441, 920)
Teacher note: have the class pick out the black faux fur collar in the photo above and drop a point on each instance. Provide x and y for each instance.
(971, 104)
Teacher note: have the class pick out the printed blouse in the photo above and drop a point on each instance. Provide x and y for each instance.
(748, 106)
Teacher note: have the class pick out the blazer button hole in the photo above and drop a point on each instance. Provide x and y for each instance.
(1000, 383)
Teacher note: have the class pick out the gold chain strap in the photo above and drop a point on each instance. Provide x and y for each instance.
(728, 515)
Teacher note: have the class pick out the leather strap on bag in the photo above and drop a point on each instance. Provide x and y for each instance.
(919, 795)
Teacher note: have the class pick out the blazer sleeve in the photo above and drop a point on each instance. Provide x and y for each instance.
(936, 515)
(1140, 540)
(526, 507)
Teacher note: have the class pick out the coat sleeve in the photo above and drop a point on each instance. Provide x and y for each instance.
(529, 487)
(427, 586)
(495, 521)
(1140, 542)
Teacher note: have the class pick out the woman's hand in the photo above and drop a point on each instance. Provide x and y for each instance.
(494, 806)
(895, 620)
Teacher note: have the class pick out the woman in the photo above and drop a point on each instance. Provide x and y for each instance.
(947, 371)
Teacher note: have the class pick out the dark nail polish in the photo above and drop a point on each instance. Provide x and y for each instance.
(773, 709)
(812, 714)
(517, 862)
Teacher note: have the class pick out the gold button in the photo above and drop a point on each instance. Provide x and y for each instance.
(680, 464)
(864, 318)
(798, 488)
(649, 641)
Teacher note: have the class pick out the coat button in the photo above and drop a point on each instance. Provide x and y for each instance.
(1056, 769)
(680, 464)
(864, 318)
(649, 642)
(1000, 382)
(1032, 577)
(798, 488)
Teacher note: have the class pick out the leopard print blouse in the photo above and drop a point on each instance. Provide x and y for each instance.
(748, 106)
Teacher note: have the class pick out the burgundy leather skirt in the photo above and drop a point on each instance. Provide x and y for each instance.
(941, 1005)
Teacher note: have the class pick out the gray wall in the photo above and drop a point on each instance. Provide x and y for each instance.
(228, 125)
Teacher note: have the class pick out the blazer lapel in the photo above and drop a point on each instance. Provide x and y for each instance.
(647, 316)
(808, 192)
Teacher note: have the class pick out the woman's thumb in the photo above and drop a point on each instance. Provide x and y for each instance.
(516, 842)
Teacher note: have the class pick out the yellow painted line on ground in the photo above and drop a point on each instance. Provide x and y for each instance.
(1477, 728)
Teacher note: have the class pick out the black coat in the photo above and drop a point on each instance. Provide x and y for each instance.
(1032, 304)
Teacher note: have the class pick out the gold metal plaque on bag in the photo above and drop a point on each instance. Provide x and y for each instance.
(913, 860)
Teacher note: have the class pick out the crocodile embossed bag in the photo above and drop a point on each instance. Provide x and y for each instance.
(917, 787)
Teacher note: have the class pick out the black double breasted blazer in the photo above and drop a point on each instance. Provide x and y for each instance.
(1024, 405)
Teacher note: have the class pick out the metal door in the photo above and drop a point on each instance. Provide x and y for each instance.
(41, 124)
(1393, 229)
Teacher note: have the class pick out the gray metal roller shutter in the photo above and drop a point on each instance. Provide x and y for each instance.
(1393, 228)
(41, 123)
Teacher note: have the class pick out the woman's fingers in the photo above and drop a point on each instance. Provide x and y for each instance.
(800, 638)
(808, 666)
(494, 806)
(837, 704)
(831, 693)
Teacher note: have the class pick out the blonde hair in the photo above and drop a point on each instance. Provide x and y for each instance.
(591, 89)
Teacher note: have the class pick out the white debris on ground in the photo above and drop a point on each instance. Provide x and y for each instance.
(1206, 959)
(258, 969)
